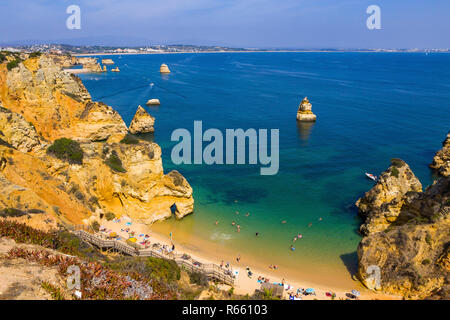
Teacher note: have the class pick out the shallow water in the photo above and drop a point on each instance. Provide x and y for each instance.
(371, 107)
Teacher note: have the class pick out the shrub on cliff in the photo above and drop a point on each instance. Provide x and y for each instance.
(35, 54)
(110, 216)
(12, 64)
(129, 139)
(66, 150)
(114, 162)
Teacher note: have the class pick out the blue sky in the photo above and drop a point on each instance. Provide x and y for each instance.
(238, 23)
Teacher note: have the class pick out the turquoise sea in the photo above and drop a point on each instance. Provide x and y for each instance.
(370, 108)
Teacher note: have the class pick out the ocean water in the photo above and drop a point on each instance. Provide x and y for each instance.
(370, 108)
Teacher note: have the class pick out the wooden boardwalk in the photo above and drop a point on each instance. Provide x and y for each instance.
(212, 271)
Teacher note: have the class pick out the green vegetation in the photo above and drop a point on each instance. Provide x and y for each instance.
(394, 172)
(95, 225)
(11, 212)
(35, 54)
(198, 278)
(66, 150)
(2, 57)
(14, 63)
(426, 262)
(398, 163)
(114, 162)
(110, 216)
(55, 292)
(129, 139)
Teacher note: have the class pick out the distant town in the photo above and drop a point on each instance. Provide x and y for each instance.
(79, 50)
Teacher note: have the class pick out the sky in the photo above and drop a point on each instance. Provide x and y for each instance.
(233, 23)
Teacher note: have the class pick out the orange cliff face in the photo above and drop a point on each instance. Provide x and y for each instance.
(39, 103)
(56, 102)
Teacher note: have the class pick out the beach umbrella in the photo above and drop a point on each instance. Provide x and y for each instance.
(356, 293)
(309, 290)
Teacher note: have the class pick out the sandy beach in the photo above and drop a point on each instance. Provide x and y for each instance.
(203, 253)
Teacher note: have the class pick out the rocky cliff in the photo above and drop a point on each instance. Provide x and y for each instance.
(381, 205)
(441, 161)
(407, 238)
(41, 104)
(142, 122)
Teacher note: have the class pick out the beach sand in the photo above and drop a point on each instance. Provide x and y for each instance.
(206, 252)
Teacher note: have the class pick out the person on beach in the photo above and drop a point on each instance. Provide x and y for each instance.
(221, 264)
(238, 258)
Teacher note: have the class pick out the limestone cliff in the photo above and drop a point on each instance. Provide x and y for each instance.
(55, 102)
(413, 253)
(304, 112)
(441, 161)
(142, 122)
(42, 103)
(381, 205)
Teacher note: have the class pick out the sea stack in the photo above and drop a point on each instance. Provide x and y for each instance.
(164, 68)
(116, 69)
(142, 122)
(304, 112)
(153, 102)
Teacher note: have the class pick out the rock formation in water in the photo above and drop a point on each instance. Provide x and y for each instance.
(142, 122)
(304, 112)
(441, 161)
(107, 61)
(164, 68)
(381, 205)
(116, 69)
(153, 102)
(116, 173)
(407, 242)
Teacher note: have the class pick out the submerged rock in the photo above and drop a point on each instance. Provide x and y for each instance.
(164, 68)
(441, 161)
(153, 102)
(381, 205)
(304, 112)
(142, 122)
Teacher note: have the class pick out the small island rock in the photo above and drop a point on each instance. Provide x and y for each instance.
(142, 122)
(153, 102)
(304, 112)
(164, 68)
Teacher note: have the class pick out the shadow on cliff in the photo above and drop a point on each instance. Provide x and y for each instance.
(350, 261)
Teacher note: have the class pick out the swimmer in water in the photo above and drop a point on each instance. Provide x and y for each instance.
(217, 222)
(284, 221)
(310, 224)
(247, 214)
(292, 247)
(295, 239)
(256, 234)
(320, 219)
(233, 223)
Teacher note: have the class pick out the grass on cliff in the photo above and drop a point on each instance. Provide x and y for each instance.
(66, 150)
